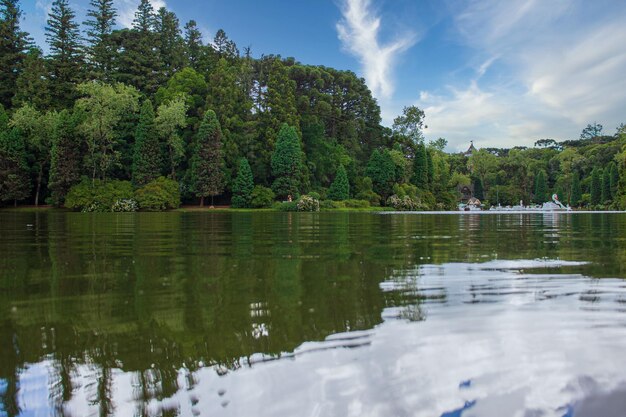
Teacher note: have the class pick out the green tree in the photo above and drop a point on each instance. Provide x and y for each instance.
(66, 157)
(170, 42)
(193, 44)
(13, 45)
(340, 188)
(287, 163)
(207, 177)
(577, 192)
(596, 186)
(541, 188)
(171, 119)
(430, 169)
(100, 48)
(66, 57)
(243, 185)
(147, 157)
(410, 124)
(606, 185)
(420, 168)
(478, 189)
(381, 170)
(32, 85)
(14, 176)
(614, 180)
(103, 107)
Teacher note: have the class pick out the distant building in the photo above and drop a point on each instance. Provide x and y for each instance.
(470, 150)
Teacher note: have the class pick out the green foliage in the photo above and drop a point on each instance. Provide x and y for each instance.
(596, 186)
(286, 206)
(410, 124)
(478, 189)
(366, 192)
(340, 188)
(381, 170)
(420, 168)
(287, 163)
(207, 178)
(541, 188)
(243, 185)
(405, 203)
(14, 179)
(97, 195)
(170, 120)
(66, 157)
(613, 180)
(13, 45)
(576, 192)
(33, 83)
(262, 197)
(124, 206)
(147, 157)
(158, 195)
(606, 186)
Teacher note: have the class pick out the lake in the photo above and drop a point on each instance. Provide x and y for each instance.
(312, 314)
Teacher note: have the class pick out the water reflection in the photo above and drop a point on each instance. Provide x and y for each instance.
(150, 314)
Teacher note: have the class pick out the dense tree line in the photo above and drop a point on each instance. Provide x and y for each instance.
(153, 103)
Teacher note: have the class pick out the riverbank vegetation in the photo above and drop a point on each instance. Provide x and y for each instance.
(151, 116)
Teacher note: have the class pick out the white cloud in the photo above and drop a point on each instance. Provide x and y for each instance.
(126, 10)
(560, 66)
(359, 31)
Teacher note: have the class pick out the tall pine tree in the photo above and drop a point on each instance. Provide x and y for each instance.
(147, 158)
(606, 185)
(596, 186)
(243, 185)
(382, 171)
(340, 188)
(32, 85)
(66, 58)
(420, 168)
(66, 157)
(287, 163)
(193, 44)
(541, 188)
(13, 45)
(14, 172)
(577, 192)
(100, 49)
(614, 180)
(207, 177)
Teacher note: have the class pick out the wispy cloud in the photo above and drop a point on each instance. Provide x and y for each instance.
(126, 10)
(359, 32)
(560, 66)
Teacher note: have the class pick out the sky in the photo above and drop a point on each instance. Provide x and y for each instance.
(502, 73)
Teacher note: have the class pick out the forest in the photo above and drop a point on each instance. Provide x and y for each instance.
(151, 116)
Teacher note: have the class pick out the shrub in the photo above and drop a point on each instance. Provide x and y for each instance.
(286, 206)
(340, 188)
(243, 185)
(315, 195)
(365, 191)
(124, 206)
(405, 203)
(160, 194)
(330, 204)
(97, 195)
(262, 197)
(356, 203)
(308, 203)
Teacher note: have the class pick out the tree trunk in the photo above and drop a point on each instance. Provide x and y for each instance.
(202, 201)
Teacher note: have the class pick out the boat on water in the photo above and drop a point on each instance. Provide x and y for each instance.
(554, 205)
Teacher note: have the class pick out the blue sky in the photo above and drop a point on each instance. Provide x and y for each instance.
(499, 72)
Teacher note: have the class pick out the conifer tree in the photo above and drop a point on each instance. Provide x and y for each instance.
(170, 42)
(243, 185)
(614, 180)
(13, 45)
(381, 170)
(14, 172)
(147, 157)
(430, 169)
(577, 192)
(596, 186)
(32, 85)
(66, 157)
(479, 192)
(207, 178)
(287, 163)
(420, 167)
(100, 50)
(541, 188)
(606, 185)
(340, 188)
(193, 44)
(66, 56)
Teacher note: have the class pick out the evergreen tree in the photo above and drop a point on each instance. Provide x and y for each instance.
(14, 173)
(145, 18)
(147, 158)
(541, 188)
(243, 185)
(382, 172)
(207, 178)
(479, 192)
(32, 85)
(102, 14)
(430, 169)
(66, 57)
(170, 42)
(577, 192)
(614, 180)
(560, 192)
(596, 186)
(606, 185)
(340, 188)
(420, 167)
(224, 47)
(193, 44)
(13, 45)
(66, 157)
(287, 163)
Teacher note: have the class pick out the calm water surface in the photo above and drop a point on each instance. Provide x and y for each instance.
(331, 314)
